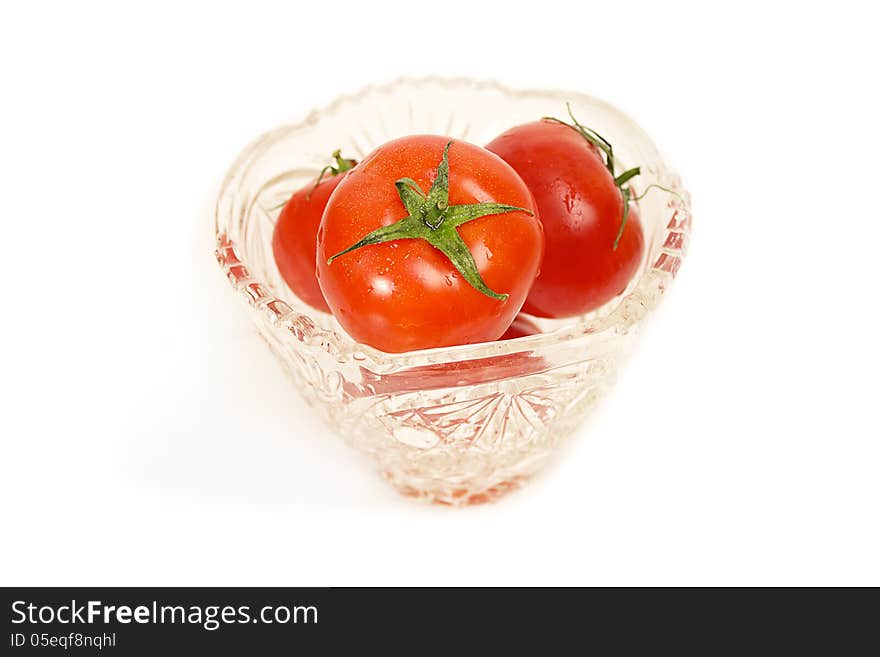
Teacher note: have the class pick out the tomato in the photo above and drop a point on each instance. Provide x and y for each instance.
(428, 243)
(581, 208)
(294, 240)
(520, 328)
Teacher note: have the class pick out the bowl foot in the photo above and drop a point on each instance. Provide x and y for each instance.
(445, 494)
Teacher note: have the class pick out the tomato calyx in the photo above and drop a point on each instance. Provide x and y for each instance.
(607, 151)
(432, 219)
(341, 165)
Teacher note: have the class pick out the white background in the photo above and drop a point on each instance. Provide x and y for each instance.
(149, 438)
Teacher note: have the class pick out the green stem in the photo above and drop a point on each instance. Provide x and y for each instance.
(432, 219)
(607, 149)
(342, 165)
(627, 194)
(660, 187)
(626, 176)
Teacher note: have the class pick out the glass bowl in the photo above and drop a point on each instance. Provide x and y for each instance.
(460, 425)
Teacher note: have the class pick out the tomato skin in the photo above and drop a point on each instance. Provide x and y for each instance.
(406, 295)
(295, 240)
(581, 210)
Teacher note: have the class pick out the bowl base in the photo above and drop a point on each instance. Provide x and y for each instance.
(444, 494)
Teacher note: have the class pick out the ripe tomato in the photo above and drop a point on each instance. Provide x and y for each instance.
(416, 268)
(581, 209)
(294, 240)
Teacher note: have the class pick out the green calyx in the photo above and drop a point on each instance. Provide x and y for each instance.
(341, 165)
(432, 219)
(607, 151)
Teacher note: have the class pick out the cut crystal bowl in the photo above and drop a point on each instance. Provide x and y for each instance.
(458, 425)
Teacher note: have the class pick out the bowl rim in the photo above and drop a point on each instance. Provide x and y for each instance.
(619, 314)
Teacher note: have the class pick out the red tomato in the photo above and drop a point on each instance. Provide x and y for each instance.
(581, 210)
(404, 293)
(294, 241)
